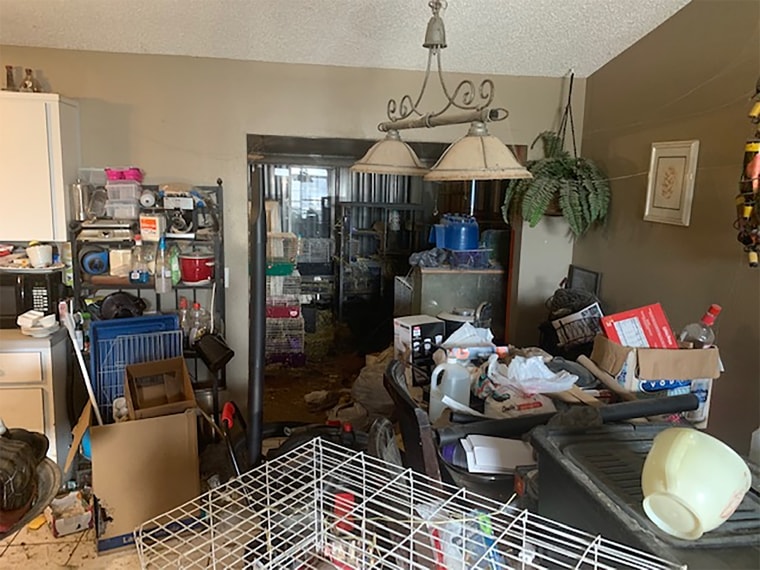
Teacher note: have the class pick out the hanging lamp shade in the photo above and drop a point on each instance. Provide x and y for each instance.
(477, 156)
(390, 156)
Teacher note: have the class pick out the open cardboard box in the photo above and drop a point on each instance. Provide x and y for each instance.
(158, 388)
(662, 372)
(140, 469)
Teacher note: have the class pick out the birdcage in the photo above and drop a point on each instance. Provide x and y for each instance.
(282, 246)
(323, 506)
(285, 341)
(315, 250)
(278, 285)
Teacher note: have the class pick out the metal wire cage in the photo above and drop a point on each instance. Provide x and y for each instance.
(284, 335)
(115, 354)
(322, 506)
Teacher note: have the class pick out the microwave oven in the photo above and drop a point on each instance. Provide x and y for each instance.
(22, 291)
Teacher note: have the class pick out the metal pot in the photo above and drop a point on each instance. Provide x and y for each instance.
(196, 267)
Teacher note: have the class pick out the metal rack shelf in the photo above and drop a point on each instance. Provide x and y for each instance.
(83, 285)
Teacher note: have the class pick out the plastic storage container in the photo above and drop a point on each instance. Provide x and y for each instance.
(470, 258)
(122, 210)
(461, 232)
(124, 190)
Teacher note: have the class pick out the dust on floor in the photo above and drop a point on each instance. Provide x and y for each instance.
(285, 387)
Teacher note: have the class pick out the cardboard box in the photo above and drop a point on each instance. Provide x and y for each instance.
(415, 338)
(662, 372)
(645, 327)
(69, 514)
(140, 469)
(158, 388)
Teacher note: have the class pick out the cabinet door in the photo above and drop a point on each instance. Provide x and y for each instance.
(22, 408)
(25, 174)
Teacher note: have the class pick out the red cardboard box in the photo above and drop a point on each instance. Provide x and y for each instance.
(645, 327)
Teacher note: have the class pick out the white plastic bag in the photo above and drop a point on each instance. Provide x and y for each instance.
(532, 376)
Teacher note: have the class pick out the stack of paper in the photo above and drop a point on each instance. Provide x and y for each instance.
(486, 454)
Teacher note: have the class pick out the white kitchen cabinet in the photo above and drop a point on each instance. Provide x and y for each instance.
(33, 387)
(39, 158)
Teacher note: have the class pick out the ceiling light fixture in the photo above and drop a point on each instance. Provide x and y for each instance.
(476, 156)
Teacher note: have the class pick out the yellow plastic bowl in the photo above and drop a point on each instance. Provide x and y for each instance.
(692, 482)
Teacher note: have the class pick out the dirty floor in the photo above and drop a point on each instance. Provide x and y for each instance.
(284, 393)
(285, 388)
(39, 549)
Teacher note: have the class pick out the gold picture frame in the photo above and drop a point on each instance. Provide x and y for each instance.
(670, 187)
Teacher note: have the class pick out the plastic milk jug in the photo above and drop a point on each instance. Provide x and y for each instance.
(455, 384)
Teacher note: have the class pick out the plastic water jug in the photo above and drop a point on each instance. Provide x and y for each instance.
(455, 384)
(462, 232)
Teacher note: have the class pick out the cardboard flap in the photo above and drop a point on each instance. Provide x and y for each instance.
(678, 364)
(78, 432)
(609, 355)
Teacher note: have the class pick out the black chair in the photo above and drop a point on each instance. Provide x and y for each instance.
(420, 449)
(422, 442)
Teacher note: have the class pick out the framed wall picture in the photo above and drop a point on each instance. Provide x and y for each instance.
(670, 189)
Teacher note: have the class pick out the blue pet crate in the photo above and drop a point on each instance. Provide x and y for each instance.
(118, 343)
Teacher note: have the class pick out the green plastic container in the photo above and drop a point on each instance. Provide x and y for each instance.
(279, 268)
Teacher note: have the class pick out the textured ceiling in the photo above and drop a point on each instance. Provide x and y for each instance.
(509, 37)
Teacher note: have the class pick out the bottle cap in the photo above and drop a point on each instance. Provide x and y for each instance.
(711, 314)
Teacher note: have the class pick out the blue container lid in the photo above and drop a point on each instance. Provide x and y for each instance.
(458, 219)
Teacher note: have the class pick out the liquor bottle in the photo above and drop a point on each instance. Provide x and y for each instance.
(139, 271)
(701, 334)
(199, 323)
(163, 272)
(184, 317)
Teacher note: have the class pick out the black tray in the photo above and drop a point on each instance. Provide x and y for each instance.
(592, 480)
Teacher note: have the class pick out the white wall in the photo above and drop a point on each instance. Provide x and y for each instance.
(185, 119)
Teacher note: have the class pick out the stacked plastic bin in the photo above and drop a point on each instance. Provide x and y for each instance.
(123, 199)
(284, 323)
(124, 188)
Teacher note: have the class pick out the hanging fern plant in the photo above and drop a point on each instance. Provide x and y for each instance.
(575, 186)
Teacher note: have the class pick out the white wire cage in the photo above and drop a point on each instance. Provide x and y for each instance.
(322, 506)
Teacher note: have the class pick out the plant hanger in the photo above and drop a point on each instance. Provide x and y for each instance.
(573, 186)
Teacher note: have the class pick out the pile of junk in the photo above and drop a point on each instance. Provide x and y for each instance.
(558, 436)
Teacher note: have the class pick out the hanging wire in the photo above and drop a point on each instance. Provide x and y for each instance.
(567, 116)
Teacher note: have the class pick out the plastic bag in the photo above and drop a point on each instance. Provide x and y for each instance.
(532, 376)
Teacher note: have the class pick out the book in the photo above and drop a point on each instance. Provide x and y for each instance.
(644, 327)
